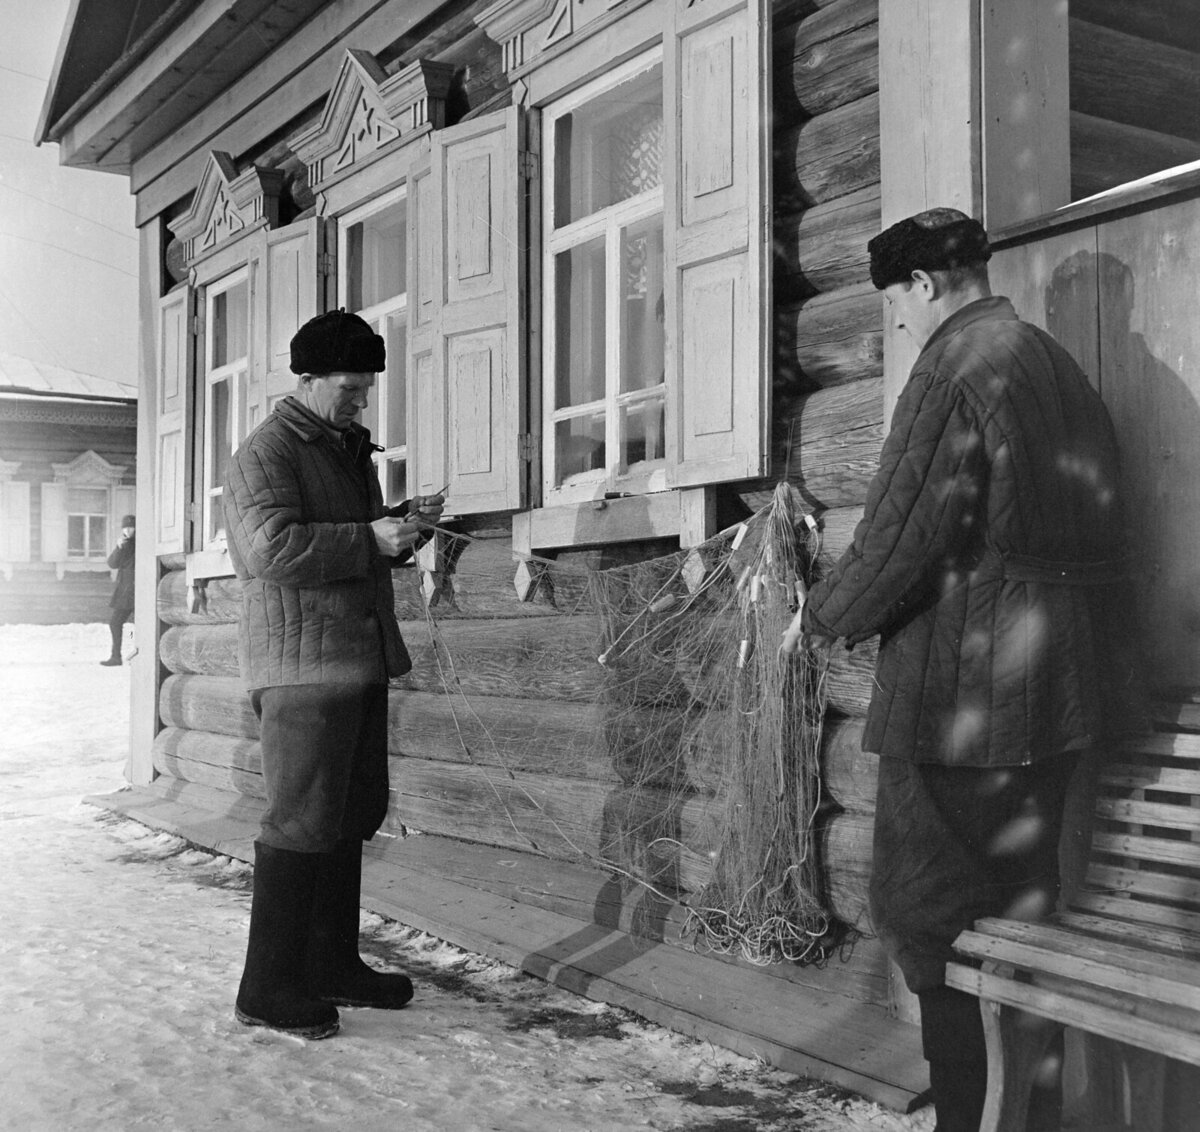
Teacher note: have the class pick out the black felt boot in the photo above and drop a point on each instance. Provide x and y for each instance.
(273, 991)
(336, 971)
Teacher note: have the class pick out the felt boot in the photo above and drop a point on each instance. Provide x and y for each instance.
(337, 973)
(273, 991)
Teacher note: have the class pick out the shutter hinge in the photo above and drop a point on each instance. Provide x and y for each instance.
(195, 324)
(527, 164)
(325, 264)
(525, 448)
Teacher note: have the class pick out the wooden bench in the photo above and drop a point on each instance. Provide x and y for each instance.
(1122, 961)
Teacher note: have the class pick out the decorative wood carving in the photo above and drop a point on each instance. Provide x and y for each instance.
(225, 203)
(368, 109)
(524, 28)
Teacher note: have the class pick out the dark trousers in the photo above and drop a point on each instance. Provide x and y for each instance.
(324, 755)
(116, 626)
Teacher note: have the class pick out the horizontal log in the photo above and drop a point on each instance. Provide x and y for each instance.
(1137, 82)
(827, 156)
(835, 437)
(552, 658)
(532, 736)
(216, 600)
(829, 339)
(825, 248)
(831, 59)
(1165, 21)
(851, 678)
(219, 761)
(837, 532)
(1105, 154)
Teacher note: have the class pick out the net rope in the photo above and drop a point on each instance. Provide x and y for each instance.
(712, 733)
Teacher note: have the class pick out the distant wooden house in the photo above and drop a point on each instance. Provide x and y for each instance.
(68, 448)
(617, 249)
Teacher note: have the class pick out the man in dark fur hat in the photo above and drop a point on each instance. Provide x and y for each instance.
(986, 562)
(314, 546)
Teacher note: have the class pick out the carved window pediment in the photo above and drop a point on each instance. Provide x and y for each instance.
(525, 28)
(226, 203)
(89, 468)
(367, 109)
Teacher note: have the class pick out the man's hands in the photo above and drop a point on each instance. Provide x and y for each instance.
(394, 535)
(797, 638)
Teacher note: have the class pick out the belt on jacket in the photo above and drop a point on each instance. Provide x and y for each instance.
(1030, 568)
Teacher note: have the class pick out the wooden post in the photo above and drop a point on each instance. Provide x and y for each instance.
(929, 130)
(144, 667)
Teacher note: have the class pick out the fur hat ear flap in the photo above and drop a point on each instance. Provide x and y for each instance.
(337, 342)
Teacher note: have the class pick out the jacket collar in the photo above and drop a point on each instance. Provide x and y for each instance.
(995, 308)
(310, 427)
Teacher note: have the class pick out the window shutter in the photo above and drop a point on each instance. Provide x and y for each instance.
(716, 79)
(472, 392)
(54, 522)
(426, 430)
(14, 521)
(291, 290)
(173, 441)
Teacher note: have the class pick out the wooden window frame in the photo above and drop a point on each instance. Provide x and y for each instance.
(394, 307)
(606, 223)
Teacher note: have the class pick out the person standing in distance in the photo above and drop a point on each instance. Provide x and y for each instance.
(122, 560)
(314, 547)
(989, 563)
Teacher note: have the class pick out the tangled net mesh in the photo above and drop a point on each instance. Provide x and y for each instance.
(714, 735)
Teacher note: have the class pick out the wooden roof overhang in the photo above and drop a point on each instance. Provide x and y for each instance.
(111, 98)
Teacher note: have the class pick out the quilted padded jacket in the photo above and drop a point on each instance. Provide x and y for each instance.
(988, 559)
(316, 593)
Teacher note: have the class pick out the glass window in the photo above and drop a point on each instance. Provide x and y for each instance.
(604, 293)
(87, 522)
(373, 282)
(226, 365)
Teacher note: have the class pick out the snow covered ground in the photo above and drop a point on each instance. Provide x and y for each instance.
(121, 950)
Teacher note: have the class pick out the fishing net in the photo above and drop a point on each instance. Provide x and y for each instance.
(712, 734)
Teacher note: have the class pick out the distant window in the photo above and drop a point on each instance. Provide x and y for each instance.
(87, 523)
(374, 284)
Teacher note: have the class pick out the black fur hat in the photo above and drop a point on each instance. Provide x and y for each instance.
(337, 342)
(937, 240)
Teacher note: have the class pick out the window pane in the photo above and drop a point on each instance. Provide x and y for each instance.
(76, 536)
(220, 432)
(610, 149)
(395, 482)
(376, 249)
(642, 346)
(397, 407)
(642, 427)
(87, 500)
(579, 332)
(97, 531)
(578, 446)
(229, 312)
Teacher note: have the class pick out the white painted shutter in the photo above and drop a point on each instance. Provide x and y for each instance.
(426, 414)
(717, 225)
(54, 522)
(173, 421)
(473, 396)
(292, 291)
(14, 521)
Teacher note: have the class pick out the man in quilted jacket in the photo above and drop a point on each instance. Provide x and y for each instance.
(986, 563)
(314, 547)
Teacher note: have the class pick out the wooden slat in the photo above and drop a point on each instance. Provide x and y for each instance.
(1152, 778)
(1137, 910)
(1102, 963)
(1180, 888)
(1184, 853)
(1165, 744)
(1181, 943)
(1107, 1021)
(1133, 811)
